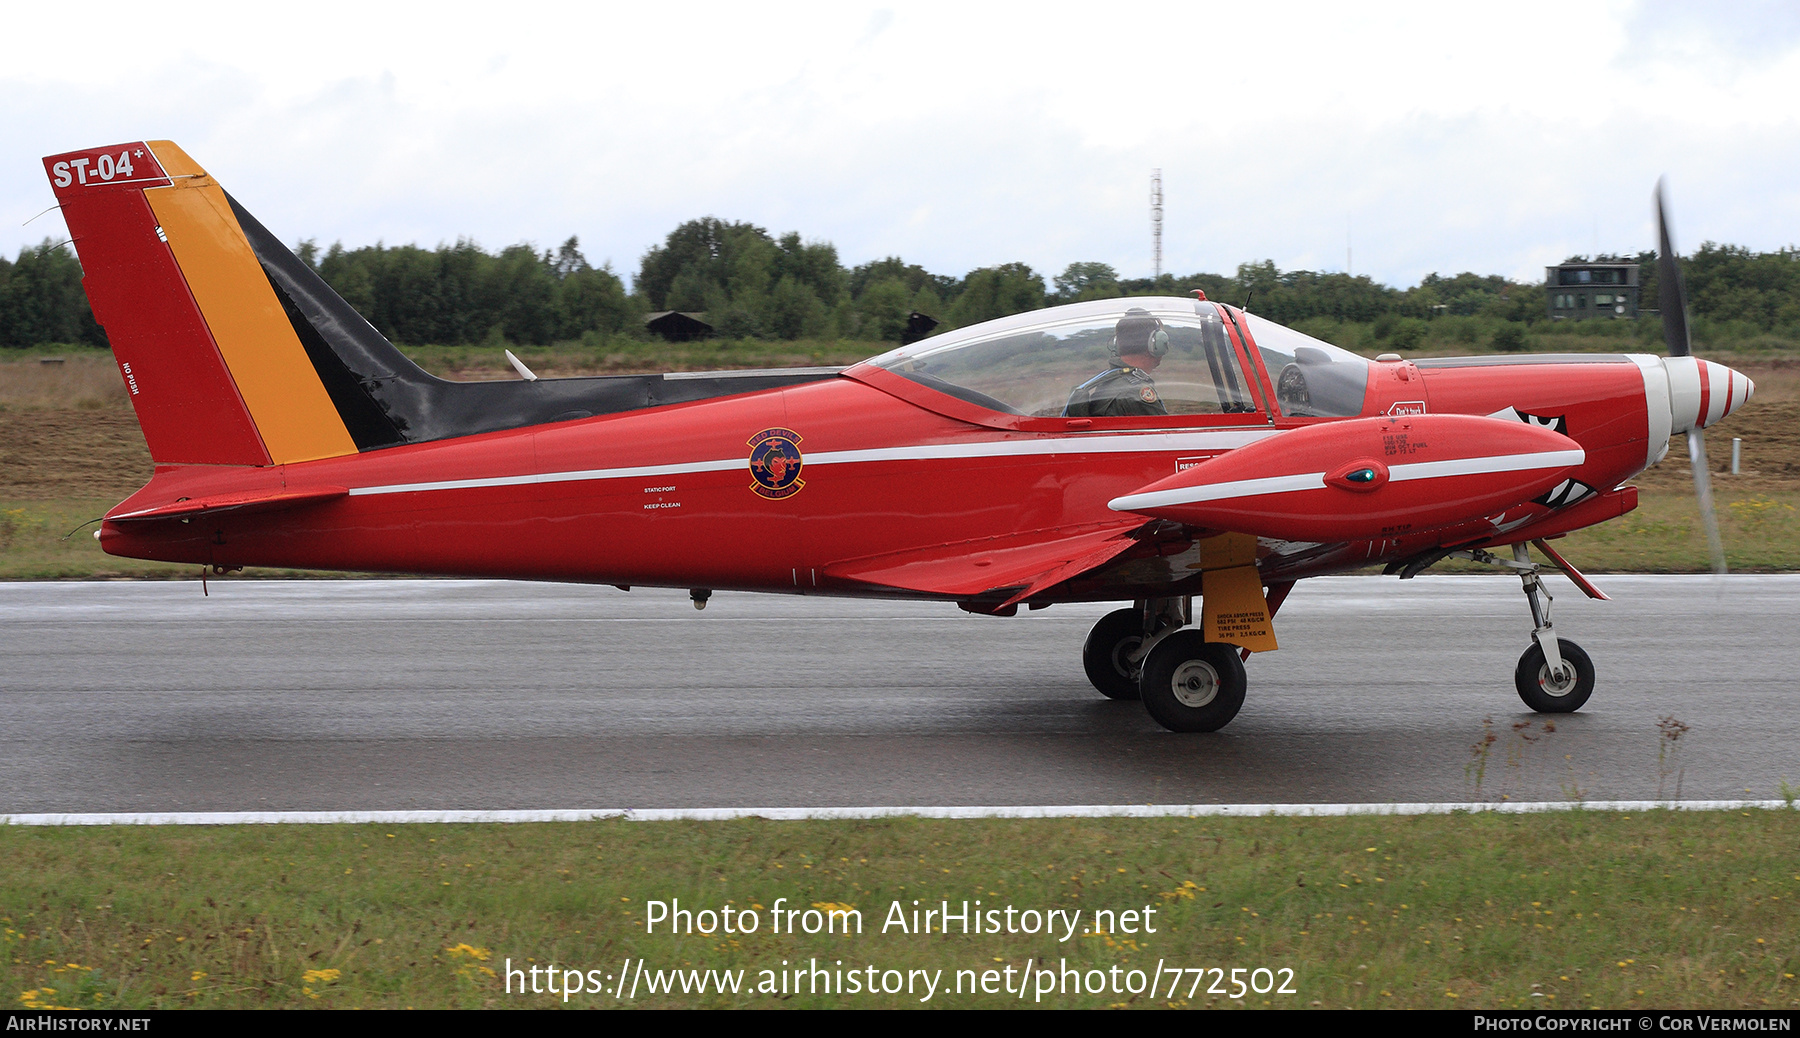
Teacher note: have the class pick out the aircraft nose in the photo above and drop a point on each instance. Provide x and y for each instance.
(1701, 393)
(1741, 391)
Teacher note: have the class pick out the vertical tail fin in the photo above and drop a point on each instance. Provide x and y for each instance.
(235, 352)
(212, 363)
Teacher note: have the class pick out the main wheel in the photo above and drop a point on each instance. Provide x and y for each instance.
(1116, 636)
(1192, 685)
(1555, 694)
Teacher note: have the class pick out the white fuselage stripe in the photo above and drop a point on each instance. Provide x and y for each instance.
(1219, 491)
(1479, 466)
(555, 477)
(1216, 439)
(1315, 480)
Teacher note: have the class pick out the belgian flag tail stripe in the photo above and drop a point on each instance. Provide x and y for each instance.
(212, 363)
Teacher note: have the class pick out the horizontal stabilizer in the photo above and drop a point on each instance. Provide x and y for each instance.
(1016, 566)
(246, 501)
(1365, 479)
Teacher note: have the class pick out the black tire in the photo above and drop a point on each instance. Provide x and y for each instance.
(1118, 633)
(1192, 685)
(1545, 696)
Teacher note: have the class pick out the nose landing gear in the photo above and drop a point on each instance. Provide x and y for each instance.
(1558, 691)
(1554, 676)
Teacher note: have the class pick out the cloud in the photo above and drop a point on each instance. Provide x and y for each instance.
(955, 135)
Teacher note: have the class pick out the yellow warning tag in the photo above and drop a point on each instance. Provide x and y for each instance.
(1228, 550)
(1234, 609)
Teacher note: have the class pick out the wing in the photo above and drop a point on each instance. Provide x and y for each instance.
(1003, 570)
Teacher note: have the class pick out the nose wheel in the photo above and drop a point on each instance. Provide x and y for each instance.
(1554, 676)
(1559, 691)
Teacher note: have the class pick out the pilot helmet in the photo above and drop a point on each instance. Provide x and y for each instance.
(1140, 333)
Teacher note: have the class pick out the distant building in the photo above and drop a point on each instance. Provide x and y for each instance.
(1576, 291)
(676, 326)
(918, 326)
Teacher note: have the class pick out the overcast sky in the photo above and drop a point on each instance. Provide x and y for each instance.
(1435, 137)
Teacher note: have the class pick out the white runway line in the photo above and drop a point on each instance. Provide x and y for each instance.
(802, 814)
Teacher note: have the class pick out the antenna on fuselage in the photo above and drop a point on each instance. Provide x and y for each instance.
(519, 366)
(1156, 223)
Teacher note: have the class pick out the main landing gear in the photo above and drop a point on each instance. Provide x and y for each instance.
(1555, 676)
(1146, 652)
(1111, 655)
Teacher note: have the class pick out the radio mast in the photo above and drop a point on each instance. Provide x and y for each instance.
(1156, 221)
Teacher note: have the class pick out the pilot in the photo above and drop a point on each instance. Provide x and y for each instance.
(1138, 346)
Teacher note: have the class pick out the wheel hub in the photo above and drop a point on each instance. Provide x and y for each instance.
(1558, 684)
(1195, 683)
(1121, 657)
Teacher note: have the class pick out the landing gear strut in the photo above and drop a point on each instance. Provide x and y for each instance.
(1554, 676)
(1146, 652)
(1116, 647)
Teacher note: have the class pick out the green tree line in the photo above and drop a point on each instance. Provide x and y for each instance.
(460, 294)
(42, 301)
(748, 283)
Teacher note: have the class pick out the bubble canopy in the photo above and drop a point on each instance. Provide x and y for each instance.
(1030, 364)
(1313, 378)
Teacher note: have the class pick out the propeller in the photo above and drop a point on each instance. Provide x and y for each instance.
(1671, 298)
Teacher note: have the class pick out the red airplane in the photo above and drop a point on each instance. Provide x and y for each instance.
(1150, 450)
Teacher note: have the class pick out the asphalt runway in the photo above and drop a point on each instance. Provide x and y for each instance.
(443, 695)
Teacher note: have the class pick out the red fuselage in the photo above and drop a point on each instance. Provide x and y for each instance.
(667, 497)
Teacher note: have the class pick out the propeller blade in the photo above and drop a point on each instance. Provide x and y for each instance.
(1703, 492)
(1671, 294)
(1671, 298)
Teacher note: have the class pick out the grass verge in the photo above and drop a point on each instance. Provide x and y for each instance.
(1666, 909)
(1761, 533)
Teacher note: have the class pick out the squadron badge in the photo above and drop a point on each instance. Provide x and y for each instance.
(775, 464)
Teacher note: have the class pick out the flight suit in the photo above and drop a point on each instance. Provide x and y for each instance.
(1115, 393)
